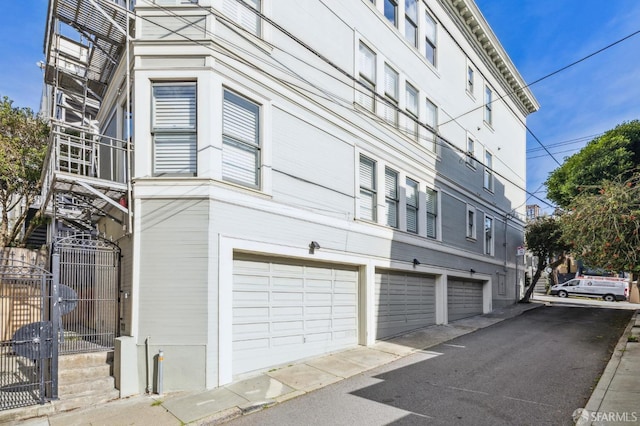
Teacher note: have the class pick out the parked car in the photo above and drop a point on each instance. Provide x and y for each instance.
(608, 288)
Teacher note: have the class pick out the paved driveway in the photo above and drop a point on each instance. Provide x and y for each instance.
(531, 370)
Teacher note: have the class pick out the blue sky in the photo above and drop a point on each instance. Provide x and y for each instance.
(540, 36)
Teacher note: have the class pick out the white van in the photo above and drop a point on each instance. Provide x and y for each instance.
(608, 288)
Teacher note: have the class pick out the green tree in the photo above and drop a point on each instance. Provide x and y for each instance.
(604, 228)
(615, 153)
(23, 146)
(544, 239)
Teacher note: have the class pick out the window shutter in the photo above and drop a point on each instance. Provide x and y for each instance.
(432, 211)
(390, 184)
(240, 128)
(391, 195)
(242, 15)
(174, 126)
(175, 153)
(367, 63)
(240, 119)
(367, 189)
(412, 193)
(412, 205)
(432, 114)
(366, 96)
(174, 107)
(412, 220)
(412, 100)
(240, 163)
(367, 202)
(391, 82)
(367, 173)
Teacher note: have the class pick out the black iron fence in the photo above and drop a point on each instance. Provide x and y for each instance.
(28, 350)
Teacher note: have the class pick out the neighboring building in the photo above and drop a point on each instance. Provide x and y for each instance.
(303, 177)
(533, 211)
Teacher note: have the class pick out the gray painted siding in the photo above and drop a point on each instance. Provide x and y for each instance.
(452, 165)
(454, 225)
(173, 271)
(311, 167)
(184, 366)
(173, 28)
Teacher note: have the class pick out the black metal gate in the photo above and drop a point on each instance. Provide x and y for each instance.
(72, 309)
(89, 286)
(28, 350)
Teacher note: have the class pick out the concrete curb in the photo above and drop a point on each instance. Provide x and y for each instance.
(595, 401)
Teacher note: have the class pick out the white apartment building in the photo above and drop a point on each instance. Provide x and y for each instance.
(287, 179)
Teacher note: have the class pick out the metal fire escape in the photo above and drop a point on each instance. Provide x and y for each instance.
(87, 173)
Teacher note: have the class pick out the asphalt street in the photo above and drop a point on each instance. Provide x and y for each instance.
(534, 369)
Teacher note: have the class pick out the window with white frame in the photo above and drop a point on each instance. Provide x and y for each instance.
(431, 120)
(470, 79)
(391, 11)
(488, 105)
(240, 140)
(411, 21)
(174, 128)
(488, 236)
(366, 95)
(367, 189)
(391, 196)
(412, 110)
(412, 205)
(431, 115)
(488, 171)
(391, 83)
(247, 14)
(432, 213)
(471, 152)
(471, 222)
(430, 39)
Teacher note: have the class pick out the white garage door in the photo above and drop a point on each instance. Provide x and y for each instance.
(464, 299)
(288, 311)
(403, 302)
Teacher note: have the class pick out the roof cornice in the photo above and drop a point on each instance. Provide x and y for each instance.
(479, 33)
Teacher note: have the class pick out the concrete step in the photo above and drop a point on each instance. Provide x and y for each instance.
(17, 416)
(84, 374)
(85, 400)
(92, 359)
(70, 390)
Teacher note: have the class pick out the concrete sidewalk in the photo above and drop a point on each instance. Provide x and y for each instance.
(616, 398)
(273, 387)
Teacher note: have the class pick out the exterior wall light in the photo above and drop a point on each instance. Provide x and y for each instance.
(313, 246)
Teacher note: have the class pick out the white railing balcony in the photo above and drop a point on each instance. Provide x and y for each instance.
(78, 152)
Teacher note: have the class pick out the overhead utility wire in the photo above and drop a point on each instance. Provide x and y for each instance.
(551, 74)
(568, 142)
(324, 59)
(544, 78)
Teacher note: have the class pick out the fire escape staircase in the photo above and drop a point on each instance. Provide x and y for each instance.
(87, 172)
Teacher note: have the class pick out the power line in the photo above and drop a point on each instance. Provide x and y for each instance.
(544, 78)
(558, 152)
(568, 142)
(332, 97)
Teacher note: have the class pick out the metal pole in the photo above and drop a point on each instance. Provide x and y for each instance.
(160, 371)
(55, 320)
